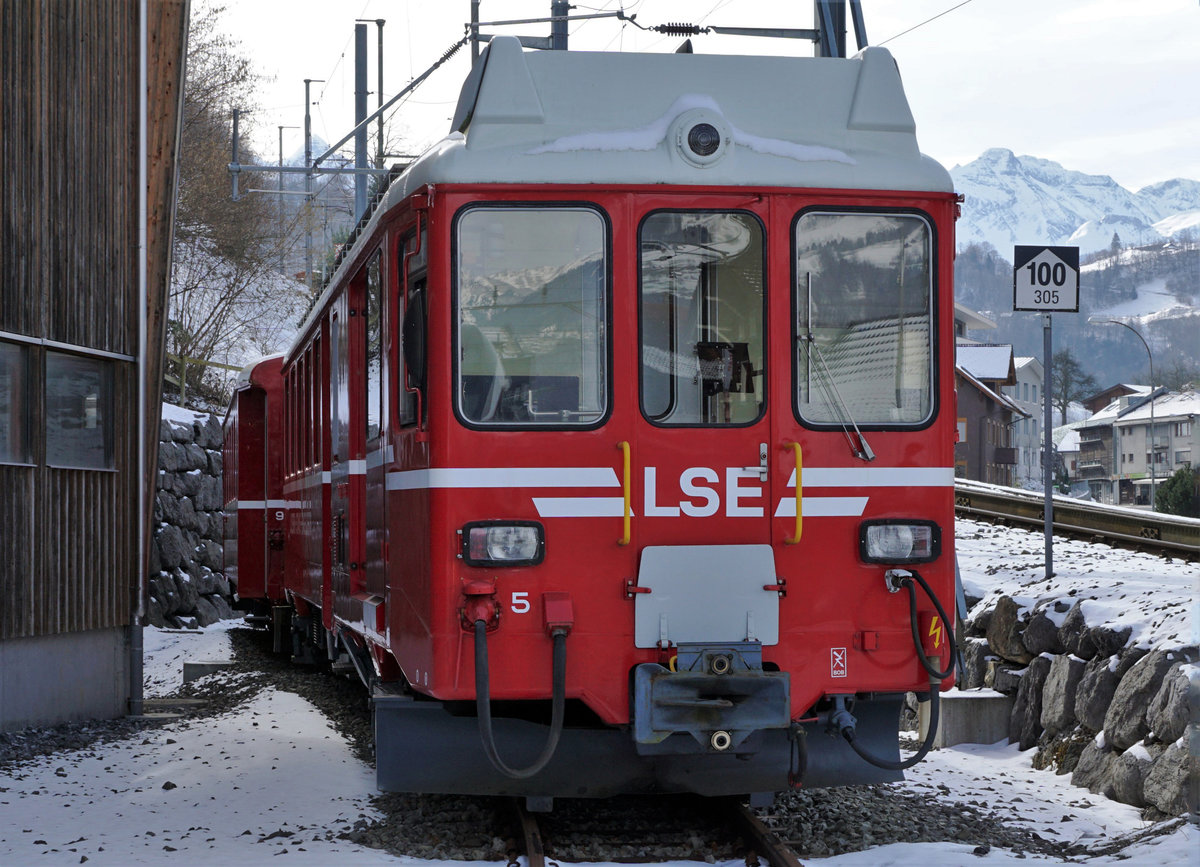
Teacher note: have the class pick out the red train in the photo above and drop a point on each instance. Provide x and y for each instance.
(617, 456)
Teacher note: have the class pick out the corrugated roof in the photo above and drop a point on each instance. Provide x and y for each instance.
(987, 361)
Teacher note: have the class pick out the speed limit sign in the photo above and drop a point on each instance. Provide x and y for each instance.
(1046, 279)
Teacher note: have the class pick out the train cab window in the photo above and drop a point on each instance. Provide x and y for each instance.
(532, 341)
(374, 349)
(703, 315)
(863, 319)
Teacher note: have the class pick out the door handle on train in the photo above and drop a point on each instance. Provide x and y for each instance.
(624, 447)
(799, 455)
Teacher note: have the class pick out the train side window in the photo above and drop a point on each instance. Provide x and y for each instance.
(531, 346)
(374, 349)
(863, 318)
(411, 318)
(703, 318)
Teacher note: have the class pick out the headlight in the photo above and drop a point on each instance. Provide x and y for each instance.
(503, 543)
(899, 541)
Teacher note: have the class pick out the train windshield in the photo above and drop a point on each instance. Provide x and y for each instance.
(702, 318)
(532, 311)
(863, 319)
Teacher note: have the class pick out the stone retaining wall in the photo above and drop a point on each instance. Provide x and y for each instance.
(1114, 717)
(187, 585)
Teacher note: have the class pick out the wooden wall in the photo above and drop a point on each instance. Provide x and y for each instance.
(69, 122)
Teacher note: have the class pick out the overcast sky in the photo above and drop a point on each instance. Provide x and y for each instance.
(1100, 86)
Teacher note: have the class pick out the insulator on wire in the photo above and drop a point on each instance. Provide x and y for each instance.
(678, 28)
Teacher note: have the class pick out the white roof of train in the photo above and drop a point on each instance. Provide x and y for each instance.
(606, 118)
(610, 118)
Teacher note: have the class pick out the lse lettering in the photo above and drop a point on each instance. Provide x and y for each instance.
(701, 489)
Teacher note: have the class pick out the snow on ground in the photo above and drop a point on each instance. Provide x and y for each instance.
(1118, 588)
(272, 782)
(1149, 298)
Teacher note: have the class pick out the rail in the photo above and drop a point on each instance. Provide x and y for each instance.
(1152, 530)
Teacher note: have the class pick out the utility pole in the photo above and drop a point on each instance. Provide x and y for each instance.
(308, 184)
(559, 10)
(279, 212)
(379, 22)
(360, 114)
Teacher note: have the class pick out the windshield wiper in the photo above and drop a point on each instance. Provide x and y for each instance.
(829, 387)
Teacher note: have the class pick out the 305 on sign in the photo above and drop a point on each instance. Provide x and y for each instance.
(1046, 279)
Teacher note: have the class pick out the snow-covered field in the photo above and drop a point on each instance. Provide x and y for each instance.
(273, 782)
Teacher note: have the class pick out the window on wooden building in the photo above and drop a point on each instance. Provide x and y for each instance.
(79, 409)
(14, 404)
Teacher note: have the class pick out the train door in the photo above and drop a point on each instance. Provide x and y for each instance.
(703, 455)
(373, 579)
(346, 464)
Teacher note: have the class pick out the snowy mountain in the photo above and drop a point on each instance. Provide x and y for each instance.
(1012, 199)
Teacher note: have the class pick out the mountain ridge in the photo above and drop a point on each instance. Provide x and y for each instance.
(1010, 199)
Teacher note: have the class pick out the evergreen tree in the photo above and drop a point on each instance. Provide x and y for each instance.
(1180, 494)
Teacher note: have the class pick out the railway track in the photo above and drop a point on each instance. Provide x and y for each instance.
(759, 841)
(1121, 525)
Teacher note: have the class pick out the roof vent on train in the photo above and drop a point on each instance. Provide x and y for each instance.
(702, 136)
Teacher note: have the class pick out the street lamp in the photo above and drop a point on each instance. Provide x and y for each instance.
(1150, 356)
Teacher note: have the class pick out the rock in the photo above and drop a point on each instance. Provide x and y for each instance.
(1093, 771)
(1125, 721)
(1106, 641)
(1002, 676)
(216, 464)
(171, 550)
(1041, 635)
(979, 623)
(209, 495)
(186, 590)
(154, 612)
(1128, 772)
(168, 457)
(1025, 723)
(1070, 634)
(187, 519)
(203, 578)
(1166, 785)
(210, 434)
(206, 612)
(1167, 715)
(181, 432)
(162, 588)
(222, 605)
(1003, 632)
(1058, 693)
(975, 659)
(210, 556)
(194, 458)
(166, 505)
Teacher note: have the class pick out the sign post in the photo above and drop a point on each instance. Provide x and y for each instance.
(1046, 280)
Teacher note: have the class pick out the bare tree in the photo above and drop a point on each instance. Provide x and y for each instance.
(224, 291)
(1068, 382)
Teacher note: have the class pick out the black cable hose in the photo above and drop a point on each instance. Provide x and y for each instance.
(483, 705)
(916, 630)
(926, 745)
(935, 676)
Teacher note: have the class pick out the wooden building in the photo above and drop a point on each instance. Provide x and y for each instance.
(90, 93)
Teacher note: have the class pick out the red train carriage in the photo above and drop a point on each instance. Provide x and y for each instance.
(255, 509)
(619, 451)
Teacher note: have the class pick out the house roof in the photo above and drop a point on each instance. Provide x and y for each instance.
(971, 320)
(988, 361)
(990, 393)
